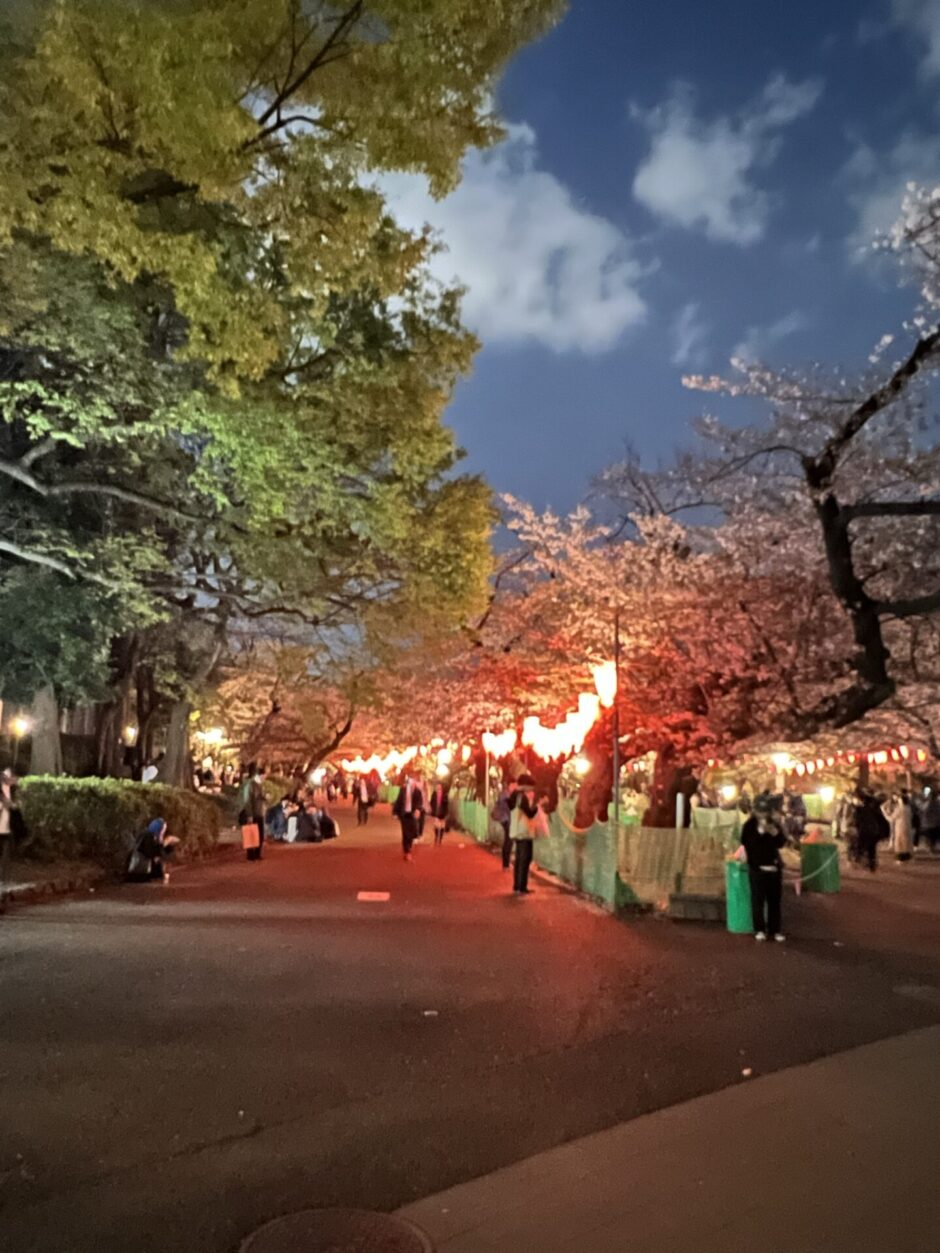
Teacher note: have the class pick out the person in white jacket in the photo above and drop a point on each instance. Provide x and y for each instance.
(897, 809)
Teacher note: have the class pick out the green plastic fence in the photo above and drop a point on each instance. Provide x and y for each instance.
(636, 866)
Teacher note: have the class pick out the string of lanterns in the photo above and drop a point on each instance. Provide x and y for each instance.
(899, 755)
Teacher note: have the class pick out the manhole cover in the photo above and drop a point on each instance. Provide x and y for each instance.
(337, 1231)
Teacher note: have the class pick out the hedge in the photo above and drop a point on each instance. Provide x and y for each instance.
(96, 819)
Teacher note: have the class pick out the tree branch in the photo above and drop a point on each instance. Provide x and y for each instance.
(268, 127)
(38, 559)
(910, 608)
(878, 400)
(893, 509)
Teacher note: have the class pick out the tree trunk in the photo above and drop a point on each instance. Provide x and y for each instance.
(176, 769)
(117, 714)
(46, 744)
(146, 711)
(545, 774)
(670, 779)
(596, 791)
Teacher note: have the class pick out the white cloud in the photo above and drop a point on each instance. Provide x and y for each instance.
(922, 17)
(689, 335)
(699, 174)
(537, 266)
(759, 340)
(877, 183)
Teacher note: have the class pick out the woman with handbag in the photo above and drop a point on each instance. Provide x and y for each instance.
(528, 822)
(251, 812)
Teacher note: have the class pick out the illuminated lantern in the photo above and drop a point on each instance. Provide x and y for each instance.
(810, 767)
(605, 681)
(800, 769)
(905, 751)
(921, 755)
(830, 762)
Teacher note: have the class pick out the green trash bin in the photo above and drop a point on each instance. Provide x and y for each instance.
(819, 867)
(738, 898)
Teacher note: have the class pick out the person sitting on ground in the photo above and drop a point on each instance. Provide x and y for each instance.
(308, 824)
(275, 820)
(329, 828)
(148, 857)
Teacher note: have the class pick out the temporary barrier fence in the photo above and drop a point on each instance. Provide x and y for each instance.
(637, 866)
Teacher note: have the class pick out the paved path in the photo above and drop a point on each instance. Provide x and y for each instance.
(182, 1064)
(839, 1155)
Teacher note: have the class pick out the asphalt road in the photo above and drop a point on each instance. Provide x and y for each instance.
(180, 1064)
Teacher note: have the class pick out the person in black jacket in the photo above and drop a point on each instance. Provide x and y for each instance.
(526, 807)
(408, 808)
(872, 827)
(440, 810)
(763, 838)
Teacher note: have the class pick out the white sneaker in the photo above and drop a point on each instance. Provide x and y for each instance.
(761, 935)
(780, 938)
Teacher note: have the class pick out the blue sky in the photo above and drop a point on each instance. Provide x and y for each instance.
(681, 182)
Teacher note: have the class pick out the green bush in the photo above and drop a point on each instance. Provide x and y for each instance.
(276, 786)
(97, 819)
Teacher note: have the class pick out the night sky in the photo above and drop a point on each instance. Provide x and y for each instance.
(681, 183)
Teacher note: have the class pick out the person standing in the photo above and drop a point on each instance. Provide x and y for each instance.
(408, 808)
(930, 820)
(11, 827)
(872, 826)
(251, 802)
(502, 813)
(763, 838)
(440, 810)
(362, 801)
(897, 810)
(527, 822)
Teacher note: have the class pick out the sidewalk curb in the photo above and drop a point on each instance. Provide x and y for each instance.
(92, 878)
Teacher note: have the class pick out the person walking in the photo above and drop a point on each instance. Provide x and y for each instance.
(872, 827)
(502, 813)
(897, 809)
(763, 838)
(528, 821)
(362, 801)
(408, 808)
(440, 810)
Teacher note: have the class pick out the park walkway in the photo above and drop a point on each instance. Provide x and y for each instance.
(181, 1064)
(838, 1155)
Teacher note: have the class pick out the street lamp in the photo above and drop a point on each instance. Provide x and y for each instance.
(20, 727)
